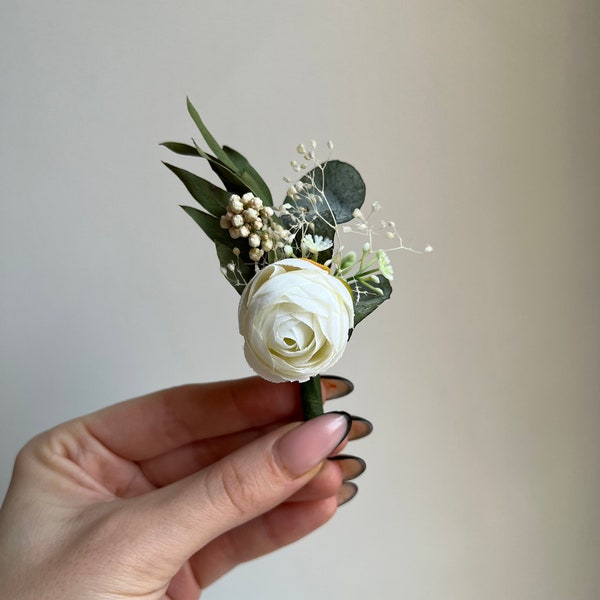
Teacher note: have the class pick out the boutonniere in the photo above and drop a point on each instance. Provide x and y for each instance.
(302, 292)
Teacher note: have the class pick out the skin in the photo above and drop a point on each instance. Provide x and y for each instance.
(157, 497)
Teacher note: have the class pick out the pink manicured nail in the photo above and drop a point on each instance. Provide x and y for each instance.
(305, 447)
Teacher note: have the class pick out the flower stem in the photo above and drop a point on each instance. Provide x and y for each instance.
(311, 398)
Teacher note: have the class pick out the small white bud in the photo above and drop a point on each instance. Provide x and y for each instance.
(257, 224)
(428, 249)
(236, 206)
(357, 214)
(293, 163)
(376, 206)
(288, 251)
(254, 240)
(330, 145)
(234, 233)
(267, 245)
(256, 203)
(250, 214)
(300, 149)
(237, 220)
(304, 166)
(256, 254)
(236, 251)
(224, 222)
(266, 212)
(247, 196)
(313, 143)
(366, 247)
(244, 231)
(231, 267)
(389, 235)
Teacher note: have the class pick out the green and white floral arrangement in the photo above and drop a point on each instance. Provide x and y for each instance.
(302, 295)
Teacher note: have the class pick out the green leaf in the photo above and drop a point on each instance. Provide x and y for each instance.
(244, 272)
(330, 196)
(208, 138)
(210, 225)
(249, 174)
(366, 301)
(179, 148)
(209, 196)
(232, 181)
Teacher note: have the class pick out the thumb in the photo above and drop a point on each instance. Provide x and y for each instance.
(247, 483)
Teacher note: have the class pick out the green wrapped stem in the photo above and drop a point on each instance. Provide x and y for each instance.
(311, 398)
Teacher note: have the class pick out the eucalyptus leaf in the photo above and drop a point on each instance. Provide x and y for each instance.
(209, 196)
(330, 194)
(366, 301)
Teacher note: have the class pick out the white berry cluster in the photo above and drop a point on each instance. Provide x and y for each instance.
(246, 217)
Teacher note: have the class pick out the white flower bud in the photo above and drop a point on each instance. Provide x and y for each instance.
(224, 222)
(237, 220)
(266, 212)
(258, 224)
(244, 231)
(300, 149)
(330, 145)
(288, 251)
(256, 254)
(267, 245)
(256, 203)
(247, 197)
(313, 143)
(250, 214)
(235, 205)
(254, 240)
(234, 233)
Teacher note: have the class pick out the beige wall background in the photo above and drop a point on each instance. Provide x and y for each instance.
(474, 123)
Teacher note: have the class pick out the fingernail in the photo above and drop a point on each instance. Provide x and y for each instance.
(351, 466)
(336, 387)
(360, 428)
(303, 448)
(346, 493)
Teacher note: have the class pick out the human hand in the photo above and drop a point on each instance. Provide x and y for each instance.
(157, 497)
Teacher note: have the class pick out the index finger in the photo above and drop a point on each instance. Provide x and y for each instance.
(159, 422)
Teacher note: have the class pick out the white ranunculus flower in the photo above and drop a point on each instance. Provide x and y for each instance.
(295, 318)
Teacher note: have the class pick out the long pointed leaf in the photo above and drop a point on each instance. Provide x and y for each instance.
(210, 225)
(179, 148)
(209, 196)
(242, 274)
(208, 138)
(249, 174)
